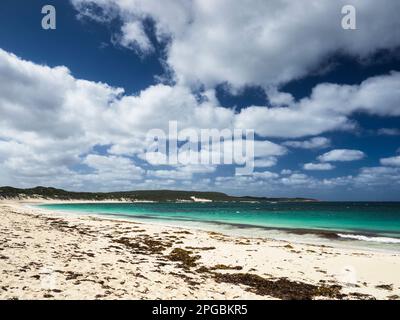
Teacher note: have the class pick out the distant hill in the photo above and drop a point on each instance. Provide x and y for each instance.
(139, 195)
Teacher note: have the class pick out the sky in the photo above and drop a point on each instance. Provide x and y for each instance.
(77, 102)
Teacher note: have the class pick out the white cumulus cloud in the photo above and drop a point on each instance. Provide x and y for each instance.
(392, 161)
(313, 143)
(252, 41)
(342, 155)
(318, 166)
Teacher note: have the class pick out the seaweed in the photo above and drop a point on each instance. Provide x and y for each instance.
(360, 296)
(388, 287)
(201, 248)
(281, 288)
(144, 245)
(203, 269)
(183, 232)
(184, 257)
(186, 278)
(225, 267)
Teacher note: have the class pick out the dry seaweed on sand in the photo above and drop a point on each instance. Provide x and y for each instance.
(281, 288)
(388, 287)
(144, 245)
(184, 257)
(225, 267)
(200, 248)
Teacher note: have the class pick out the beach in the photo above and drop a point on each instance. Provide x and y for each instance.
(48, 254)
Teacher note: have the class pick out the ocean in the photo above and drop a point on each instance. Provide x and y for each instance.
(366, 224)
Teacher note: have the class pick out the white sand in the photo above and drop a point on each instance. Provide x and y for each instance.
(46, 254)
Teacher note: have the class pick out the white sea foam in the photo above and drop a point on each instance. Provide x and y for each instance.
(371, 239)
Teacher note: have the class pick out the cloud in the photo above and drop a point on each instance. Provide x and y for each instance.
(279, 40)
(363, 185)
(389, 132)
(44, 100)
(267, 148)
(265, 155)
(262, 148)
(170, 174)
(134, 36)
(367, 179)
(342, 155)
(50, 121)
(329, 108)
(51, 125)
(265, 163)
(265, 175)
(318, 166)
(377, 176)
(113, 165)
(289, 122)
(392, 161)
(314, 143)
(298, 179)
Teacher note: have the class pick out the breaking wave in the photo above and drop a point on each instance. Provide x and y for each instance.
(370, 239)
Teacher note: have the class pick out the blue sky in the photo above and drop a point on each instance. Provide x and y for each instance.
(324, 102)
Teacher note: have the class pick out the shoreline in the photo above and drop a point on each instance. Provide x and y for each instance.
(92, 257)
(355, 239)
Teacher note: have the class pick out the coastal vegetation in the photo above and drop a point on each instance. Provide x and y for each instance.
(138, 195)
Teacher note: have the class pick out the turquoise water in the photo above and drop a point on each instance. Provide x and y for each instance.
(360, 221)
